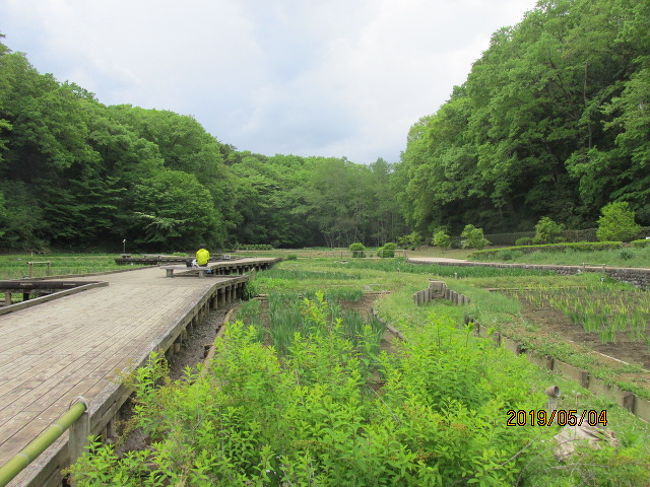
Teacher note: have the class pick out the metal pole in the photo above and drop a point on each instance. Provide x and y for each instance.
(23, 458)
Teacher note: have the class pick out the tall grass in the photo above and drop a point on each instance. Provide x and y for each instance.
(401, 265)
(289, 314)
(303, 275)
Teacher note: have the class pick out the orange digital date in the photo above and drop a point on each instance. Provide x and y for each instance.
(561, 417)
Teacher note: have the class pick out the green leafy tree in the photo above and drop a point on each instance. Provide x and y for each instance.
(172, 208)
(617, 222)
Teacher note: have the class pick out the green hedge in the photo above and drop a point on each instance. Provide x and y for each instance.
(558, 247)
(640, 243)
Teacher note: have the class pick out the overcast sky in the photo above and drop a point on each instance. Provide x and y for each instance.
(307, 77)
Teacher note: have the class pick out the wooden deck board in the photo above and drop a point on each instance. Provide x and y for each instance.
(56, 351)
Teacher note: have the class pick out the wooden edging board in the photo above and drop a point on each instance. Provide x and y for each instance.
(638, 406)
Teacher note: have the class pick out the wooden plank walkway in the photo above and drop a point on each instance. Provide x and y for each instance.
(77, 345)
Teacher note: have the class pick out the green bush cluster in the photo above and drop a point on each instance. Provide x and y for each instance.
(473, 238)
(441, 239)
(387, 251)
(558, 247)
(358, 250)
(548, 231)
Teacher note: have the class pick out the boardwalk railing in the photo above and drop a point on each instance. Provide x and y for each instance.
(76, 419)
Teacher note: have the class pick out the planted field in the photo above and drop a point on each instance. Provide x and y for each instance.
(613, 316)
(302, 391)
(278, 318)
(15, 266)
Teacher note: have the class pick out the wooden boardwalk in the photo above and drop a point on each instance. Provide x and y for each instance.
(76, 346)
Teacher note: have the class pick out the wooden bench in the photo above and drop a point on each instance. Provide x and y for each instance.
(169, 269)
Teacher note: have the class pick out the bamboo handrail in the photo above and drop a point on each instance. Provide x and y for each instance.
(28, 454)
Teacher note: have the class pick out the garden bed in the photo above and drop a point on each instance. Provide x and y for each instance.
(626, 357)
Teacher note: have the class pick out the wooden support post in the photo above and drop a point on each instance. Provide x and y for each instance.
(7, 298)
(497, 338)
(213, 301)
(550, 362)
(31, 269)
(109, 432)
(584, 379)
(78, 434)
(222, 297)
(169, 272)
(629, 402)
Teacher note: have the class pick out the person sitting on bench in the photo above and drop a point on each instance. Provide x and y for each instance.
(202, 257)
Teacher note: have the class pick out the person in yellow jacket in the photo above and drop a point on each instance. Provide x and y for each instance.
(202, 256)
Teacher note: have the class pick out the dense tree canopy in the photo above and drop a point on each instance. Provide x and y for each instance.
(553, 120)
(78, 174)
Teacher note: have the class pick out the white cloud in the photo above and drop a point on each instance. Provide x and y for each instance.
(313, 78)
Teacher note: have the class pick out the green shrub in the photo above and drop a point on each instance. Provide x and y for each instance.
(548, 231)
(358, 250)
(412, 240)
(640, 243)
(524, 241)
(441, 239)
(617, 222)
(625, 254)
(292, 257)
(387, 251)
(472, 238)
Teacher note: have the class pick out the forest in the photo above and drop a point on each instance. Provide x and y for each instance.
(553, 120)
